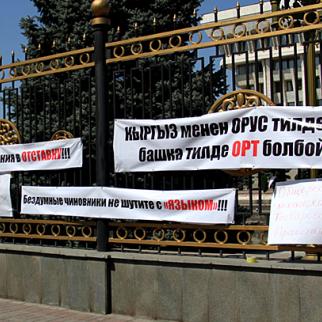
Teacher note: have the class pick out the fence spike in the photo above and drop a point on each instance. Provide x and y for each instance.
(261, 6)
(174, 19)
(154, 21)
(216, 13)
(238, 9)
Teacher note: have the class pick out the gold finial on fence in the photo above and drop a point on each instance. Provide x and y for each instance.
(216, 13)
(118, 30)
(100, 12)
(194, 15)
(68, 40)
(261, 6)
(238, 9)
(154, 21)
(136, 26)
(84, 36)
(39, 46)
(54, 43)
(174, 19)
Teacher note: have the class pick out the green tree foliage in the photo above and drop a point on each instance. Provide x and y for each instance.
(160, 87)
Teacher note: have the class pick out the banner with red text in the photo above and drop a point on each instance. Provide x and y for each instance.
(5, 198)
(264, 137)
(50, 155)
(296, 213)
(192, 206)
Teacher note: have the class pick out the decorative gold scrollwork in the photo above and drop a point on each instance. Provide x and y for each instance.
(69, 61)
(198, 40)
(26, 69)
(136, 49)
(13, 72)
(70, 231)
(87, 231)
(311, 18)
(286, 22)
(240, 30)
(2, 228)
(139, 233)
(199, 235)
(158, 47)
(175, 41)
(8, 133)
(121, 232)
(237, 100)
(244, 237)
(217, 34)
(13, 227)
(55, 230)
(221, 236)
(158, 234)
(176, 235)
(26, 228)
(263, 26)
(118, 51)
(240, 99)
(61, 135)
(41, 229)
(54, 64)
(84, 58)
(40, 67)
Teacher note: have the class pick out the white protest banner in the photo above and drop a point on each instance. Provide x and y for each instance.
(51, 155)
(5, 198)
(296, 213)
(264, 137)
(192, 206)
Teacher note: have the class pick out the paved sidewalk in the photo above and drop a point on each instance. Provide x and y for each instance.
(14, 311)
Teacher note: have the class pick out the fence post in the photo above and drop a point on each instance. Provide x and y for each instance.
(100, 22)
(311, 98)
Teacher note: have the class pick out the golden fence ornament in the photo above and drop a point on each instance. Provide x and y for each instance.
(237, 100)
(61, 135)
(9, 134)
(180, 40)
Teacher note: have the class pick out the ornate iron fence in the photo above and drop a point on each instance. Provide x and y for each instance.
(161, 76)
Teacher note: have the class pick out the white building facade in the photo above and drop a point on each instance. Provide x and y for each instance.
(276, 70)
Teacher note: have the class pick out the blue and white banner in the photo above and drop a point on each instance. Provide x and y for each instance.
(255, 138)
(191, 206)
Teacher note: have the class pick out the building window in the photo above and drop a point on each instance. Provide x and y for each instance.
(289, 86)
(277, 87)
(318, 83)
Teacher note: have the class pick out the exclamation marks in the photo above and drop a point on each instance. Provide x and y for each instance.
(222, 205)
(65, 153)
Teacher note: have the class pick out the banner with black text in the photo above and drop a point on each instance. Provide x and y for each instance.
(5, 198)
(296, 213)
(192, 206)
(264, 137)
(50, 155)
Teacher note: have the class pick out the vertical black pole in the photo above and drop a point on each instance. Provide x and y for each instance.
(100, 22)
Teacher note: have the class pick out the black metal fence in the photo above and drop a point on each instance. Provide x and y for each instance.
(179, 84)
